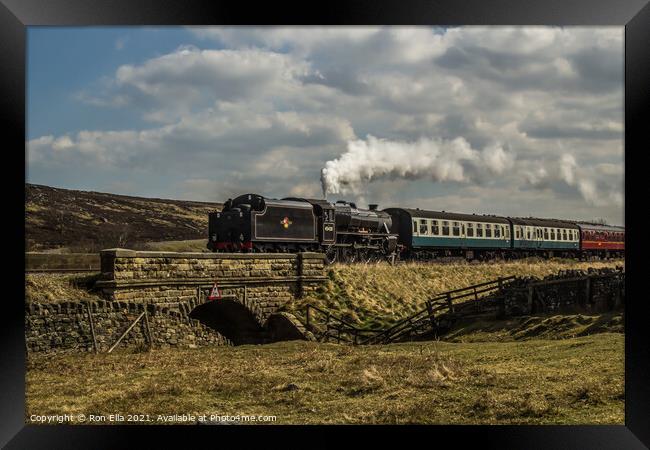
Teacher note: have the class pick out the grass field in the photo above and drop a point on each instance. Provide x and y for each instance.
(569, 381)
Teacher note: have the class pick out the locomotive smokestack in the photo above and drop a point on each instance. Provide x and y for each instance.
(372, 207)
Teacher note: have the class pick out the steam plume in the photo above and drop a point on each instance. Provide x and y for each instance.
(434, 159)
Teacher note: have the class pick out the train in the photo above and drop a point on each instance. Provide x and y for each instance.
(347, 233)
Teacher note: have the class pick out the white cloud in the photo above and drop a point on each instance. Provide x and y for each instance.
(568, 168)
(172, 85)
(497, 160)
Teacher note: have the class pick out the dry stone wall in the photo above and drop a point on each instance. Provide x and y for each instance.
(70, 325)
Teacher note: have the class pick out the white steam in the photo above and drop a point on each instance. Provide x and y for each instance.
(434, 159)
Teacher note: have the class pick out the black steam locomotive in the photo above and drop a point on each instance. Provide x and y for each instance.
(253, 223)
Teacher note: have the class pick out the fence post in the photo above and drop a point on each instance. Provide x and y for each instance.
(146, 324)
(432, 320)
(449, 305)
(92, 326)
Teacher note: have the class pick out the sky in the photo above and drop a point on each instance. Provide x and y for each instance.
(516, 121)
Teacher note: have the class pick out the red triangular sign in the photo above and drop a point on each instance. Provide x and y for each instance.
(214, 293)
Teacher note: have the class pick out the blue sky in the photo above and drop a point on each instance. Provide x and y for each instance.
(505, 120)
(64, 60)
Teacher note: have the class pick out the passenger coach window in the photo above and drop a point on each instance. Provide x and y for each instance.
(445, 228)
(436, 227)
(456, 228)
(470, 230)
(423, 227)
(479, 230)
(552, 234)
(415, 228)
(488, 230)
(546, 234)
(497, 231)
(564, 235)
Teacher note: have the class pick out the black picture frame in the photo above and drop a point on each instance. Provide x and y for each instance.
(16, 15)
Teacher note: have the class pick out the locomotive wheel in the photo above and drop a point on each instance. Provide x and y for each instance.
(364, 255)
(349, 255)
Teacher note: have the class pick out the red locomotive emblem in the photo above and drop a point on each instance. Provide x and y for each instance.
(286, 222)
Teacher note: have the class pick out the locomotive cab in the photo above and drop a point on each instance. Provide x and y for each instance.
(325, 214)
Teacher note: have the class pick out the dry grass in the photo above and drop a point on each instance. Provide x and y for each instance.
(55, 288)
(89, 221)
(192, 245)
(375, 295)
(571, 381)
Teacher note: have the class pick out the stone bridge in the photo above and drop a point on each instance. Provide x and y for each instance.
(171, 288)
(259, 283)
